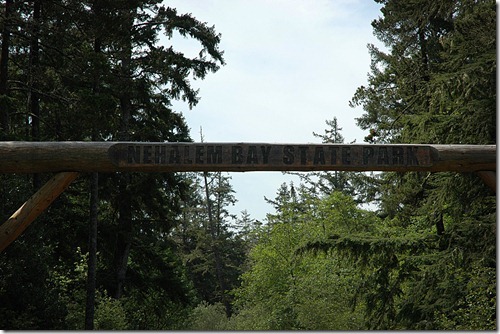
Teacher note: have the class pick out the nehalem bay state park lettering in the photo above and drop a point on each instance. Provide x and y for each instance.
(233, 156)
(104, 157)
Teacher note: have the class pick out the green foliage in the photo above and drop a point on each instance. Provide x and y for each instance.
(412, 279)
(147, 308)
(435, 84)
(212, 252)
(154, 309)
(28, 299)
(110, 314)
(478, 307)
(360, 185)
(94, 70)
(208, 317)
(287, 289)
(70, 285)
(169, 252)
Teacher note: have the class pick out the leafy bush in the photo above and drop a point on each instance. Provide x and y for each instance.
(208, 317)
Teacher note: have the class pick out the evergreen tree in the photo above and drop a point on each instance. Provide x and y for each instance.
(95, 71)
(214, 254)
(435, 84)
(286, 287)
(362, 186)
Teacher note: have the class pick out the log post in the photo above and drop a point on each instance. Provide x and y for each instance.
(33, 207)
(489, 178)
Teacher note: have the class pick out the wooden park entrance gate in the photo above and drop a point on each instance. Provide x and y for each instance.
(68, 159)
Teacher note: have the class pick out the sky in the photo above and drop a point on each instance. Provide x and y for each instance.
(290, 66)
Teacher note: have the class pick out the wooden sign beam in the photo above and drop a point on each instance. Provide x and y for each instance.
(69, 158)
(37, 157)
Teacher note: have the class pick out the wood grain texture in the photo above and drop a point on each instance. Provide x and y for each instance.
(37, 157)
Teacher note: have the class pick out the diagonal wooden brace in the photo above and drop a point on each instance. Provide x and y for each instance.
(489, 178)
(33, 207)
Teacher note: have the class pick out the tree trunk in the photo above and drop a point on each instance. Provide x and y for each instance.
(94, 201)
(92, 260)
(422, 40)
(212, 223)
(124, 236)
(34, 60)
(4, 68)
(34, 99)
(439, 224)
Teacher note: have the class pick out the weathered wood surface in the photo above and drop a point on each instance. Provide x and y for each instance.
(33, 207)
(36, 157)
(489, 178)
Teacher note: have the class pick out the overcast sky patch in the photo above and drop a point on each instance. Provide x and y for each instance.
(291, 65)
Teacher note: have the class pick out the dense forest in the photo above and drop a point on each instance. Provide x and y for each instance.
(342, 251)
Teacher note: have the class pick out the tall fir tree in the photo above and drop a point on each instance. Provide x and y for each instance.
(95, 70)
(436, 84)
